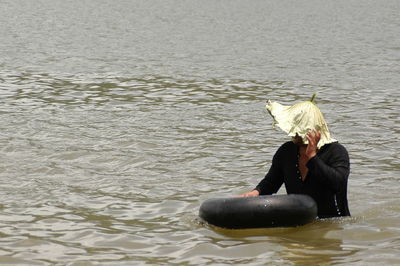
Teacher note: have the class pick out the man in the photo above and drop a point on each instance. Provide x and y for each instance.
(312, 163)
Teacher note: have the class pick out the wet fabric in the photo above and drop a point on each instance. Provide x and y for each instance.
(326, 180)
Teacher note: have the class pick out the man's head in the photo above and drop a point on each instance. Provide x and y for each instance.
(298, 140)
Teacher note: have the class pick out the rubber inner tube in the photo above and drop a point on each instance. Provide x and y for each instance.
(259, 212)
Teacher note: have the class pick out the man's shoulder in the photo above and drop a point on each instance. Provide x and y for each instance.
(335, 147)
(287, 146)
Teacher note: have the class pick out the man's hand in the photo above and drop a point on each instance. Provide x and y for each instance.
(252, 193)
(313, 138)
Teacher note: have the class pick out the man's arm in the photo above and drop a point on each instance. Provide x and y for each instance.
(336, 173)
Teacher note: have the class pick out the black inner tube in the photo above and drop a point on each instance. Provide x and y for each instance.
(259, 212)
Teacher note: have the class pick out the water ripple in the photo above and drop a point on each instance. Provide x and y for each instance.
(118, 120)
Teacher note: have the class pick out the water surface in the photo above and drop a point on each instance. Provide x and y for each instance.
(118, 119)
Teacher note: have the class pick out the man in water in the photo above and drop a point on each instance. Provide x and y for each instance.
(312, 163)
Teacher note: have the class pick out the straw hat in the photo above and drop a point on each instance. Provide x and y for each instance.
(299, 119)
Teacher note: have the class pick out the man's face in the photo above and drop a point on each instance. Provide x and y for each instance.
(298, 140)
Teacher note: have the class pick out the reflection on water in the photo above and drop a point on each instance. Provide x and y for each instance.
(305, 245)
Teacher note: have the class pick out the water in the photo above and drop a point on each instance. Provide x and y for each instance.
(119, 118)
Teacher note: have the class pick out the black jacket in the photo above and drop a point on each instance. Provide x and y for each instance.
(326, 180)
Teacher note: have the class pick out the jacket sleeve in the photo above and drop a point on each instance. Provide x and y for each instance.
(334, 171)
(273, 180)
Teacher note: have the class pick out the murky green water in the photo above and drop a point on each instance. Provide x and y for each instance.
(119, 118)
